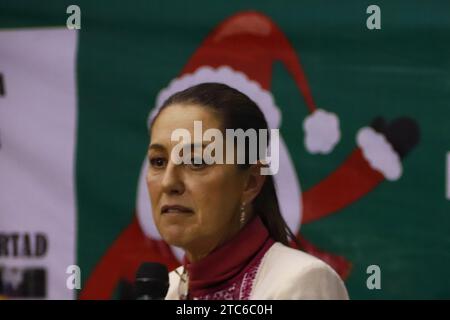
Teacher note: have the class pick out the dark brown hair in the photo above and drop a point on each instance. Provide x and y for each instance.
(237, 111)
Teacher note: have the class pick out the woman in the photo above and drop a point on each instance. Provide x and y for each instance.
(225, 216)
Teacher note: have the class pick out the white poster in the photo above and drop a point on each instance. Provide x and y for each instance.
(38, 112)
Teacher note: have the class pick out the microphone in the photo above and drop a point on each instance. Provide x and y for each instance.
(152, 281)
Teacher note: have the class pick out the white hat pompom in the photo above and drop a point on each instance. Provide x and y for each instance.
(322, 131)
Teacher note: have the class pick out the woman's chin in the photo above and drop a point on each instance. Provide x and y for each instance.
(175, 235)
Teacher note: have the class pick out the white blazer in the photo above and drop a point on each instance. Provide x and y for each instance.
(286, 274)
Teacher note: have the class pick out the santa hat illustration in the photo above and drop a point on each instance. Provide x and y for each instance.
(240, 53)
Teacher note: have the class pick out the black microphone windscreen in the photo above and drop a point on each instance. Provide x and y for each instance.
(152, 281)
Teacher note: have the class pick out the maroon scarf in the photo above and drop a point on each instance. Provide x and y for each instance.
(228, 272)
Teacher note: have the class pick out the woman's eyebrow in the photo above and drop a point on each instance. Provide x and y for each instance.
(156, 146)
(192, 146)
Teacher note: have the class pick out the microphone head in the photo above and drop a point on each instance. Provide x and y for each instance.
(152, 281)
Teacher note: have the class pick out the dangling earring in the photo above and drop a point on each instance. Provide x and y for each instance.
(242, 218)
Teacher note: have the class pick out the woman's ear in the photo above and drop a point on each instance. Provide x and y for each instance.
(253, 183)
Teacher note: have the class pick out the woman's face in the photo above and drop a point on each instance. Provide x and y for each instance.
(205, 199)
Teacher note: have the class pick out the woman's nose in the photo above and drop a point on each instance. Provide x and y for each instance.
(172, 182)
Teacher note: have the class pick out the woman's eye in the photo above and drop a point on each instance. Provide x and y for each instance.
(157, 162)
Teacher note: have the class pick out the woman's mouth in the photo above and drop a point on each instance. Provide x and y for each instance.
(175, 209)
